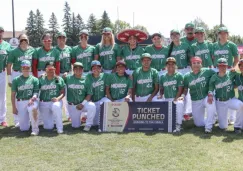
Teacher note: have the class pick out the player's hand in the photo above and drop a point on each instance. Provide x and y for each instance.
(127, 99)
(232, 70)
(79, 107)
(31, 102)
(10, 84)
(180, 98)
(65, 75)
(149, 99)
(15, 111)
(54, 99)
(210, 99)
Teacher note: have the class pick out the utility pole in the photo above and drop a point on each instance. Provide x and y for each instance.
(13, 18)
(221, 13)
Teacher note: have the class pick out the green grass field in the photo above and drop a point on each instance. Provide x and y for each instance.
(77, 150)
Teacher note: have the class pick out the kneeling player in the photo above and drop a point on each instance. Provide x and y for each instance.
(119, 85)
(171, 87)
(145, 81)
(197, 81)
(25, 89)
(79, 92)
(223, 84)
(52, 90)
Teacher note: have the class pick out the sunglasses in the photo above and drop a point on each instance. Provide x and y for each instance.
(47, 41)
(61, 37)
(83, 36)
(23, 40)
(25, 67)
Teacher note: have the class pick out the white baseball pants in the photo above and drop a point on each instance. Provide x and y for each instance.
(26, 115)
(51, 111)
(3, 106)
(145, 98)
(75, 114)
(97, 114)
(198, 112)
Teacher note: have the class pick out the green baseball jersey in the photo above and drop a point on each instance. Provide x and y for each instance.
(98, 86)
(85, 56)
(203, 50)
(25, 87)
(65, 58)
(119, 85)
(5, 48)
(17, 55)
(223, 86)
(158, 56)
(228, 51)
(198, 83)
(145, 81)
(108, 55)
(43, 57)
(239, 84)
(189, 42)
(171, 84)
(182, 54)
(132, 57)
(50, 88)
(77, 89)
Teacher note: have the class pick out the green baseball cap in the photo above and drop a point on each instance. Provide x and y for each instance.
(95, 62)
(222, 61)
(61, 34)
(121, 63)
(199, 30)
(1, 28)
(107, 30)
(189, 25)
(25, 63)
(175, 31)
(171, 59)
(146, 55)
(223, 29)
(78, 64)
(84, 31)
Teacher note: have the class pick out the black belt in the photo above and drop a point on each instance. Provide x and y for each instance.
(222, 99)
(72, 103)
(16, 70)
(45, 101)
(22, 99)
(41, 70)
(182, 68)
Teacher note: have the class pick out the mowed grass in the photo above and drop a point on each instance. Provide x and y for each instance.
(77, 150)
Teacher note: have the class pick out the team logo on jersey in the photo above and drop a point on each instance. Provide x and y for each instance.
(158, 56)
(221, 52)
(174, 53)
(25, 87)
(169, 83)
(118, 85)
(104, 53)
(84, 55)
(75, 86)
(64, 55)
(201, 52)
(144, 81)
(97, 84)
(224, 84)
(116, 112)
(24, 58)
(47, 58)
(48, 87)
(132, 57)
(198, 80)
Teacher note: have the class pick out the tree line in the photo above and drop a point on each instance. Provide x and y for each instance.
(73, 23)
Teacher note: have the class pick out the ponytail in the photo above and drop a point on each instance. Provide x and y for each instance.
(171, 48)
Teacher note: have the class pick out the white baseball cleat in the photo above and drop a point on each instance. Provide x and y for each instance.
(16, 125)
(34, 133)
(208, 131)
(59, 131)
(87, 128)
(178, 128)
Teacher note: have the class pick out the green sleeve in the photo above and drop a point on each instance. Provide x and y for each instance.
(212, 72)
(97, 49)
(14, 86)
(88, 86)
(36, 85)
(61, 84)
(161, 80)
(235, 52)
(232, 74)
(180, 81)
(134, 76)
(118, 50)
(11, 57)
(108, 80)
(192, 52)
(212, 84)
(130, 84)
(122, 52)
(57, 55)
(35, 54)
(156, 77)
(186, 83)
(73, 55)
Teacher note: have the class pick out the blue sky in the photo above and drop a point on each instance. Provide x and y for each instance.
(156, 15)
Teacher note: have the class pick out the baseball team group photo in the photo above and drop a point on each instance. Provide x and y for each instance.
(120, 85)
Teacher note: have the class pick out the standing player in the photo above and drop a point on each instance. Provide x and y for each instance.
(181, 52)
(65, 61)
(197, 81)
(228, 50)
(25, 89)
(84, 52)
(131, 53)
(145, 81)
(190, 37)
(158, 52)
(79, 92)
(223, 84)
(119, 85)
(4, 51)
(107, 51)
(202, 48)
(171, 87)
(45, 54)
(52, 90)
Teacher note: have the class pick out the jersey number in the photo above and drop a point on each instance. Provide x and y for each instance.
(53, 92)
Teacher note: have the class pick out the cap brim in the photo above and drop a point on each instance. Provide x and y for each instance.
(124, 35)
(222, 64)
